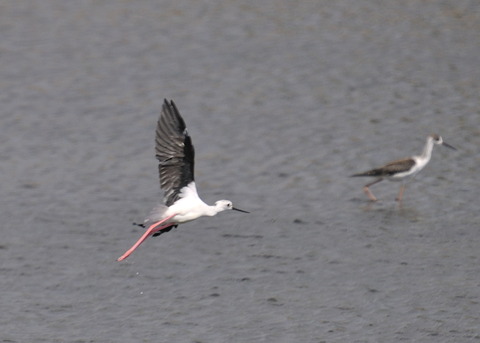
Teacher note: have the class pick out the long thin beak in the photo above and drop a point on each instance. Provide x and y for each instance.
(449, 146)
(239, 210)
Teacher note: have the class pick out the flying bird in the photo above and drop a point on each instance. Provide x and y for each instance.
(181, 203)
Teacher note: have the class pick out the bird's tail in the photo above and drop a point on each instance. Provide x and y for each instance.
(156, 215)
(359, 174)
(373, 172)
(158, 233)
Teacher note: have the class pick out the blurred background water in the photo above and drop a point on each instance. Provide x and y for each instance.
(284, 100)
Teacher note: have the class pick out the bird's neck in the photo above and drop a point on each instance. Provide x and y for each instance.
(212, 210)
(427, 150)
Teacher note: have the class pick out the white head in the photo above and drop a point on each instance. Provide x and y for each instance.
(223, 205)
(437, 139)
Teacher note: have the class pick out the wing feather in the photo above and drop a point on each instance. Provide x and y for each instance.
(174, 151)
(390, 169)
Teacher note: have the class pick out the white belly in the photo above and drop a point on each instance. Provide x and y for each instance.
(188, 209)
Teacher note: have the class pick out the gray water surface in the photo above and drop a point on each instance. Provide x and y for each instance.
(284, 100)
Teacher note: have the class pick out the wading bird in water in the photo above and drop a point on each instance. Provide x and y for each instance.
(175, 153)
(403, 170)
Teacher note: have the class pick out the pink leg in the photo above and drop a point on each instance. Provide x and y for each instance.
(150, 231)
(400, 194)
(367, 190)
(369, 193)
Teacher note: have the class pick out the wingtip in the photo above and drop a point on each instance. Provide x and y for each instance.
(168, 102)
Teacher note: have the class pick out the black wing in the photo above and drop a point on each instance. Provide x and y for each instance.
(174, 151)
(390, 169)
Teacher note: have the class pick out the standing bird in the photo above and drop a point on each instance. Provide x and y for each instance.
(174, 151)
(402, 170)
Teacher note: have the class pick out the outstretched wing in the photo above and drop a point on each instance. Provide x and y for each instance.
(174, 151)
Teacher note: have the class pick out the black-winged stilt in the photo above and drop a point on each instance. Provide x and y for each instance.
(404, 169)
(175, 152)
